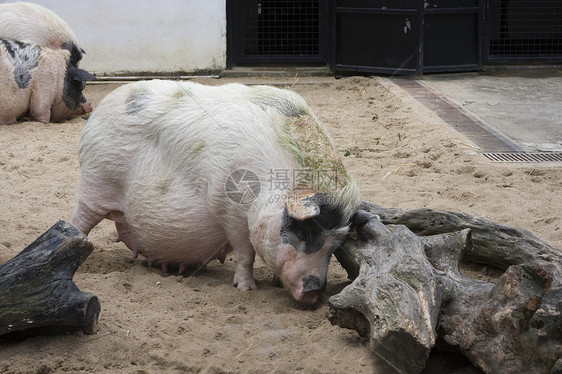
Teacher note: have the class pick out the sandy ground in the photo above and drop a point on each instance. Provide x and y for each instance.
(401, 155)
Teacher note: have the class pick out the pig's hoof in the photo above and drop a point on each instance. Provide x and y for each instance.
(277, 281)
(244, 284)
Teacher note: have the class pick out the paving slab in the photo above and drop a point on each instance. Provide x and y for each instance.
(484, 136)
(523, 105)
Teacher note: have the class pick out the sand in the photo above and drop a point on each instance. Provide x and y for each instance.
(401, 155)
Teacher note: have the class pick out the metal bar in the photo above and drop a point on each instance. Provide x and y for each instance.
(450, 68)
(467, 10)
(376, 11)
(487, 33)
(523, 59)
(479, 34)
(421, 38)
(373, 69)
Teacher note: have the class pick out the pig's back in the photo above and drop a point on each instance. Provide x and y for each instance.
(190, 127)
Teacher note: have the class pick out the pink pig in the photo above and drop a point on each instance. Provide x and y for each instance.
(189, 172)
(40, 81)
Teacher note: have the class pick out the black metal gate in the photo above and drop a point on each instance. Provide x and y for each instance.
(407, 36)
(277, 31)
(394, 36)
(523, 31)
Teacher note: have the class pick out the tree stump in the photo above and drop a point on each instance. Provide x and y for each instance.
(407, 292)
(37, 294)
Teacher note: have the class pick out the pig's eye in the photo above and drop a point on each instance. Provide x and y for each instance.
(310, 235)
(338, 236)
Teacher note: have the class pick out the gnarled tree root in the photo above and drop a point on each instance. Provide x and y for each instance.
(408, 293)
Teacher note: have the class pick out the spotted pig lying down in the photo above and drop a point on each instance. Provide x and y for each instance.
(40, 82)
(190, 172)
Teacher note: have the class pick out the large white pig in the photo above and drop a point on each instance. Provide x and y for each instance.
(189, 172)
(32, 23)
(41, 82)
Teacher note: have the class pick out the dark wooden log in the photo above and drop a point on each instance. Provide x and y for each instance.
(37, 294)
(408, 292)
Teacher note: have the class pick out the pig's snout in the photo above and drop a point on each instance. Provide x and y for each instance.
(310, 284)
(87, 107)
(311, 290)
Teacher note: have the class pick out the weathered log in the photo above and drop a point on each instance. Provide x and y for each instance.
(493, 243)
(497, 326)
(500, 246)
(37, 294)
(409, 293)
(397, 293)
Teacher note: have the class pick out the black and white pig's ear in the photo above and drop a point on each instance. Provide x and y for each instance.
(81, 75)
(301, 207)
(361, 217)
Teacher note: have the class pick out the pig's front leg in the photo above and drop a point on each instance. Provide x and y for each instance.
(7, 120)
(245, 256)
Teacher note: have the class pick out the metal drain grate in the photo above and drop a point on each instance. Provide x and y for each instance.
(523, 157)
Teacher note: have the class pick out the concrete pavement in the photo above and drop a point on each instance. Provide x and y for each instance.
(524, 105)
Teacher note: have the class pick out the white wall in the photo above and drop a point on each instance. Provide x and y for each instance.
(122, 36)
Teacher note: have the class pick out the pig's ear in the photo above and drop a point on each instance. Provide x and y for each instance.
(303, 207)
(361, 217)
(81, 75)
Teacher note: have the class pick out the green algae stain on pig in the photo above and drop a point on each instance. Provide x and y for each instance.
(179, 94)
(315, 152)
(163, 186)
(197, 148)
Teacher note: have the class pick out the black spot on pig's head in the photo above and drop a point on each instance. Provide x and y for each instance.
(74, 83)
(309, 235)
(75, 53)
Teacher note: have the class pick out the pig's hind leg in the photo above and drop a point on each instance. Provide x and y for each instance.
(84, 219)
(93, 207)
